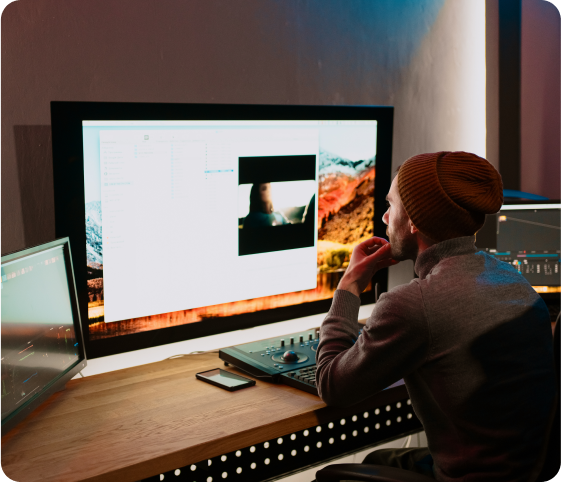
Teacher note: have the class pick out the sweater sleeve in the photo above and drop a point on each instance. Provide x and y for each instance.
(394, 342)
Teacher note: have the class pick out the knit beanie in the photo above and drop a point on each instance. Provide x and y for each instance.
(447, 194)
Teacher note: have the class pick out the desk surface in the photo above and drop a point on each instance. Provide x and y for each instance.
(134, 423)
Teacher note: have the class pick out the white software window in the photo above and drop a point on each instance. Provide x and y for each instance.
(170, 204)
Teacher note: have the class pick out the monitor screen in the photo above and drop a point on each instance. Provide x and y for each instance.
(41, 331)
(216, 222)
(528, 236)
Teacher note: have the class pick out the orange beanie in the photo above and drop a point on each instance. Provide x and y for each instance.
(447, 194)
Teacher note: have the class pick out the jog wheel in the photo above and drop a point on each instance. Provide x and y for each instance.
(290, 357)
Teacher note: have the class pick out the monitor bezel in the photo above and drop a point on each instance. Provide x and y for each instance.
(543, 204)
(59, 383)
(68, 176)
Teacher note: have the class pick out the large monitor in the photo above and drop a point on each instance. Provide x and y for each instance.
(42, 343)
(191, 219)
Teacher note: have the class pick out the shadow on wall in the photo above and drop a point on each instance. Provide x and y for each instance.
(35, 175)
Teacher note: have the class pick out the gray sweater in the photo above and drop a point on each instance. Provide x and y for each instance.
(472, 341)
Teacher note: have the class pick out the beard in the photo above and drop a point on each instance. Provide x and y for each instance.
(404, 245)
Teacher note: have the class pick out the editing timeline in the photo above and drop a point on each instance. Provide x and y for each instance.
(539, 269)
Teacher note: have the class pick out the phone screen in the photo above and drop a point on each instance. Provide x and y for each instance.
(224, 378)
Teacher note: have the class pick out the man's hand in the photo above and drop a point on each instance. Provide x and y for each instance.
(368, 257)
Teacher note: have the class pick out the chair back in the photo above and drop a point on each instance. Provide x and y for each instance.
(553, 450)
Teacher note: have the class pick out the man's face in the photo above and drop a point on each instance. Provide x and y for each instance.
(403, 242)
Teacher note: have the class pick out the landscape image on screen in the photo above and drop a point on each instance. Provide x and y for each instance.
(344, 210)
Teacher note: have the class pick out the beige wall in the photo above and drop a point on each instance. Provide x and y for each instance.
(540, 99)
(407, 54)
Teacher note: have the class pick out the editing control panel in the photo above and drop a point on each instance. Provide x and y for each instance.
(290, 359)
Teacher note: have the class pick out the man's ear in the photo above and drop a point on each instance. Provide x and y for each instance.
(412, 228)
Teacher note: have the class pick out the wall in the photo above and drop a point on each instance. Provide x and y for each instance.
(426, 57)
(540, 108)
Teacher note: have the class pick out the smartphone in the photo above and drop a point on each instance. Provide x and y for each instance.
(226, 380)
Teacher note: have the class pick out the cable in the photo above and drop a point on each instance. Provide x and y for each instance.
(407, 442)
(192, 353)
(252, 375)
(215, 351)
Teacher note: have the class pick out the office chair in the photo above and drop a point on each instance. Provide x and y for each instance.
(376, 473)
(553, 450)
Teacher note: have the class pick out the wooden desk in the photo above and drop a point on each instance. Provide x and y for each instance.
(134, 423)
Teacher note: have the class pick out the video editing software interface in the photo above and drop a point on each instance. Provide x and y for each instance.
(38, 338)
(187, 221)
(529, 238)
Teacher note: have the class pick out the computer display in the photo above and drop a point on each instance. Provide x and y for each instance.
(42, 345)
(204, 219)
(528, 236)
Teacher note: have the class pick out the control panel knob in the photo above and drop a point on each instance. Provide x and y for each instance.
(317, 334)
(290, 356)
(292, 340)
(310, 337)
(282, 343)
(301, 338)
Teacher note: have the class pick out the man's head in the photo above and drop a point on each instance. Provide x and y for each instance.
(440, 196)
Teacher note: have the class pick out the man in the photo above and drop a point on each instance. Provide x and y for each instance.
(261, 210)
(470, 337)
